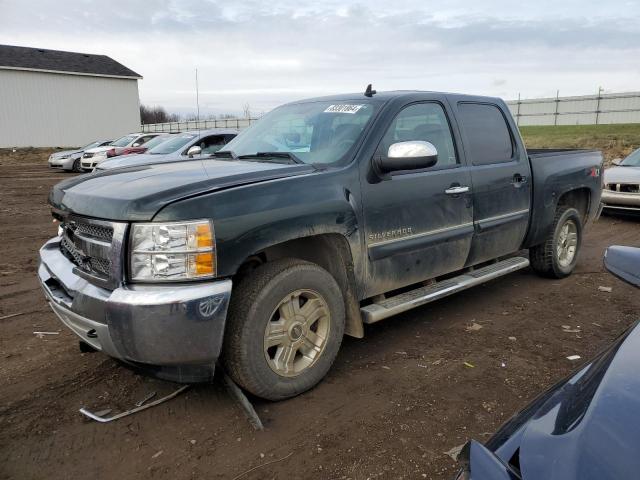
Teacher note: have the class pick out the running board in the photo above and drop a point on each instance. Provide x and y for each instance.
(423, 295)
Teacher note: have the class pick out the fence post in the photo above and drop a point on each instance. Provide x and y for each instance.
(518, 112)
(555, 116)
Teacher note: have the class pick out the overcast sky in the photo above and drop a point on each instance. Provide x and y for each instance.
(267, 53)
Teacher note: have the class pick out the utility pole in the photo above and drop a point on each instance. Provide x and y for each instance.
(197, 98)
(600, 90)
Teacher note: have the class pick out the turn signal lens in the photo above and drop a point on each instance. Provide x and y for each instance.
(204, 237)
(204, 264)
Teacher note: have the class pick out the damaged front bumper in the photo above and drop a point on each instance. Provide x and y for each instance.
(172, 331)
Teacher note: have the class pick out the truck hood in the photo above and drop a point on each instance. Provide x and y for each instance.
(622, 175)
(138, 193)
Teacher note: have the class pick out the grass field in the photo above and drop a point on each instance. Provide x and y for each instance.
(616, 141)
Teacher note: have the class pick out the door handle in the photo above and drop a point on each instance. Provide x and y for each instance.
(457, 190)
(519, 180)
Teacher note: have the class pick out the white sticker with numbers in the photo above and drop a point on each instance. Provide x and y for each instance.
(343, 108)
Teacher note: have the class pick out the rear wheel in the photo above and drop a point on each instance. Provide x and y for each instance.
(284, 328)
(558, 255)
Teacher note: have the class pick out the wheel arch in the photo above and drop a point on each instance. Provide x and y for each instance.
(332, 252)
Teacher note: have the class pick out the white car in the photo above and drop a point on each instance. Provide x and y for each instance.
(622, 184)
(93, 156)
(70, 159)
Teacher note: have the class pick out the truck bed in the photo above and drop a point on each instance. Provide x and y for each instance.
(554, 172)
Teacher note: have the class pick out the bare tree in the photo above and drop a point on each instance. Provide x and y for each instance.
(246, 110)
(156, 114)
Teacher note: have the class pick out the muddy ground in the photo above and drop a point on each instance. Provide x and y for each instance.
(391, 406)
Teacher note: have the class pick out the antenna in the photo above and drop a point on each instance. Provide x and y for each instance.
(369, 92)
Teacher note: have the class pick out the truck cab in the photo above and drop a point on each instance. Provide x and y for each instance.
(325, 215)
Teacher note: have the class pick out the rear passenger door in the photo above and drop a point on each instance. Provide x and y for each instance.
(501, 178)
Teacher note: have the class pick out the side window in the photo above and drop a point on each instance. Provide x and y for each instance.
(487, 133)
(212, 144)
(426, 122)
(143, 140)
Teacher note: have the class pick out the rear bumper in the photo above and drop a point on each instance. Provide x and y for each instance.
(173, 327)
(621, 200)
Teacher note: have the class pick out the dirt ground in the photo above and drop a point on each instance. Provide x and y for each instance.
(391, 407)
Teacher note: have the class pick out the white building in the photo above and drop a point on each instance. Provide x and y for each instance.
(50, 98)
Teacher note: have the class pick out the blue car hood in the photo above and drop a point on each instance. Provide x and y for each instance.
(138, 193)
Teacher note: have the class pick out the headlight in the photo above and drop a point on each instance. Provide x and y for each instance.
(63, 157)
(172, 251)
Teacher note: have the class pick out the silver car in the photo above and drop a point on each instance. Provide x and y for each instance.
(70, 159)
(622, 184)
(182, 146)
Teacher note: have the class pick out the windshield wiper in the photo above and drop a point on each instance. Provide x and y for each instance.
(292, 157)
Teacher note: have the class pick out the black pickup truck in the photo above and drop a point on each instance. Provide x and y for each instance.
(323, 216)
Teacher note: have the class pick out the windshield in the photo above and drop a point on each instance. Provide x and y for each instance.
(154, 142)
(173, 145)
(124, 141)
(315, 132)
(91, 145)
(632, 160)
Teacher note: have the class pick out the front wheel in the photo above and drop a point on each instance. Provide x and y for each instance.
(558, 255)
(76, 166)
(284, 328)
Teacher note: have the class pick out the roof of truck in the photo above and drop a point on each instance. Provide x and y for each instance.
(389, 95)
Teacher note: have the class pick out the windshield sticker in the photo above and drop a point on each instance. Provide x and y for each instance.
(343, 108)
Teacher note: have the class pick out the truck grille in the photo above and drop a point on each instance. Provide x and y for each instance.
(95, 247)
(624, 187)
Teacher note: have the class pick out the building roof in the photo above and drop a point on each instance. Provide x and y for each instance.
(40, 59)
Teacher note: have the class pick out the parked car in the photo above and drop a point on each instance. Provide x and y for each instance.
(586, 427)
(325, 215)
(195, 144)
(93, 156)
(154, 142)
(70, 159)
(622, 185)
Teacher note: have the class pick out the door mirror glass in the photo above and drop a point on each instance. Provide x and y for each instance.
(624, 263)
(616, 161)
(137, 144)
(411, 155)
(194, 150)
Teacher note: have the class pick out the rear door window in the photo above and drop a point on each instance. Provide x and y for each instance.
(488, 135)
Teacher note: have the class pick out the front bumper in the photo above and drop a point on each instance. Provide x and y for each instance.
(621, 200)
(62, 163)
(174, 330)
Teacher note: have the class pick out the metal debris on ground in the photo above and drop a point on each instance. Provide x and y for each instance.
(568, 329)
(42, 334)
(474, 327)
(470, 365)
(605, 289)
(146, 399)
(573, 357)
(103, 419)
(243, 401)
(455, 452)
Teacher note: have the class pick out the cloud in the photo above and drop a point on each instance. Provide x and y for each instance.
(269, 53)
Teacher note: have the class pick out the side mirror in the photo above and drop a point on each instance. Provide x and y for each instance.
(616, 161)
(137, 144)
(194, 150)
(624, 263)
(412, 155)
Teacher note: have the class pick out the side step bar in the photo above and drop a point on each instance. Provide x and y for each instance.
(423, 295)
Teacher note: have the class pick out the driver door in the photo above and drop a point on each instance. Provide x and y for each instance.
(419, 223)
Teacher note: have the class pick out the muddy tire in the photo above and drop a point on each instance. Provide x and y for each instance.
(558, 255)
(284, 328)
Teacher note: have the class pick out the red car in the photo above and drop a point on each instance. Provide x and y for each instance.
(134, 149)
